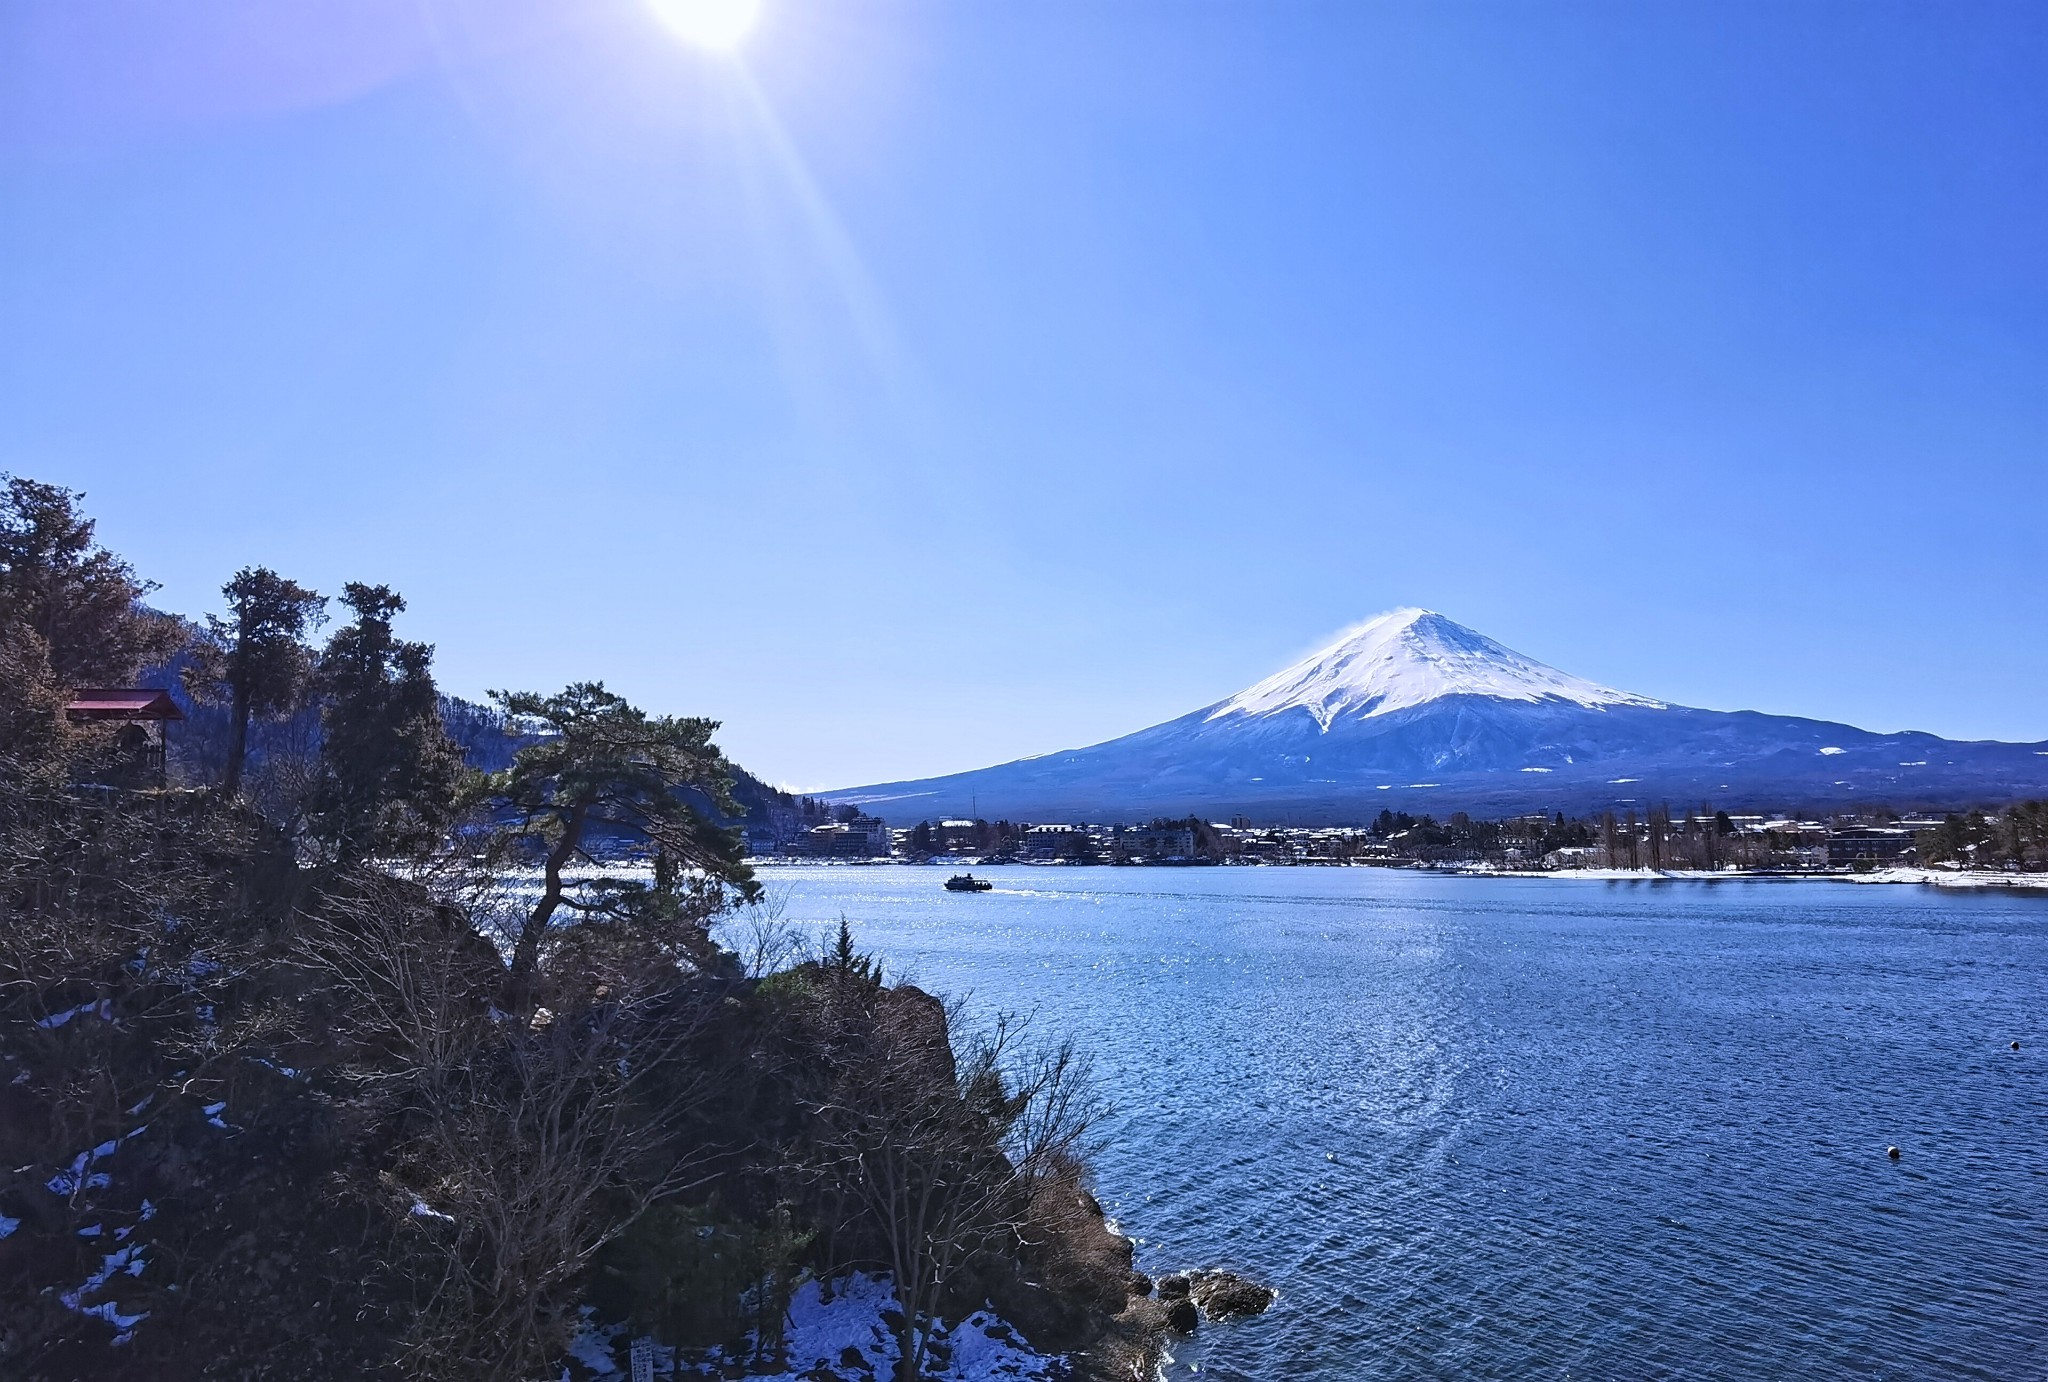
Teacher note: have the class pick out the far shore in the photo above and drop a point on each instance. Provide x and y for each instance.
(1937, 878)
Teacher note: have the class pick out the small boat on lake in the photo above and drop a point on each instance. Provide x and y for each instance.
(967, 883)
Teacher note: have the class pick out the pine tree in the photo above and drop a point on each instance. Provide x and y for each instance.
(850, 963)
(389, 772)
(79, 602)
(256, 659)
(601, 761)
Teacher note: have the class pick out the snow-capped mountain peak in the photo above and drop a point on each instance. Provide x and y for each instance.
(1406, 658)
(1413, 712)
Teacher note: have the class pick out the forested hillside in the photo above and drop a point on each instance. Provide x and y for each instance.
(346, 1043)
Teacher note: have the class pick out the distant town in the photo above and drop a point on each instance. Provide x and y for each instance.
(1659, 840)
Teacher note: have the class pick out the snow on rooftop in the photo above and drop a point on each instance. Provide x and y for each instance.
(1407, 658)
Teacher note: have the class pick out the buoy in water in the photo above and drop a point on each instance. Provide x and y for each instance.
(1892, 1152)
(2015, 1046)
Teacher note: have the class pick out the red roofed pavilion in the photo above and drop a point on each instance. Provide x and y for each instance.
(144, 714)
(138, 703)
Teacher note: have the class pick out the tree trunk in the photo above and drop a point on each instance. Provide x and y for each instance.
(907, 1369)
(526, 954)
(238, 745)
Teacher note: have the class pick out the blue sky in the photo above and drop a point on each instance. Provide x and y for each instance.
(931, 383)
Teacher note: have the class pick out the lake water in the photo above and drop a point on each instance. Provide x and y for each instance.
(1533, 1128)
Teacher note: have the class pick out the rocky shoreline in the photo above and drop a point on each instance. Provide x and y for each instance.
(1133, 1347)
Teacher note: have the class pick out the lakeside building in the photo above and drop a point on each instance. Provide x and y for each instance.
(1154, 844)
(1877, 844)
(861, 837)
(952, 837)
(1702, 840)
(1043, 843)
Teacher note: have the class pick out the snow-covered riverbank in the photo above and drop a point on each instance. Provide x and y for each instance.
(1937, 878)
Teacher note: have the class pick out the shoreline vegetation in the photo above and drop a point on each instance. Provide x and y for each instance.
(1926, 877)
(2007, 840)
(354, 1032)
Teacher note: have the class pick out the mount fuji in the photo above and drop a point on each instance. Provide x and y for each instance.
(1415, 712)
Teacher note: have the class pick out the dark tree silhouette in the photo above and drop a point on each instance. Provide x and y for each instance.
(600, 761)
(256, 659)
(389, 772)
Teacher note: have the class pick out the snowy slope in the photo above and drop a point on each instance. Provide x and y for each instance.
(1410, 657)
(836, 1332)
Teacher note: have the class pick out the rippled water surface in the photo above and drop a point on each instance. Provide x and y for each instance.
(1516, 1128)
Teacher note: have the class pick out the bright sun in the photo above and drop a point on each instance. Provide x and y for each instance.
(715, 24)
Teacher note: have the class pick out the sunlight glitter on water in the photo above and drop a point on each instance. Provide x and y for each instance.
(1505, 1128)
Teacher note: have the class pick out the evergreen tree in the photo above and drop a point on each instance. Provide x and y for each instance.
(848, 962)
(600, 761)
(256, 659)
(70, 616)
(389, 771)
(75, 602)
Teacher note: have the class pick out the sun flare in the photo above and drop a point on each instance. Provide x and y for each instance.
(720, 25)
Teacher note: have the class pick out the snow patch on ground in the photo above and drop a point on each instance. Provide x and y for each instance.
(593, 1349)
(126, 1261)
(103, 1010)
(1952, 878)
(839, 1332)
(80, 1175)
(1610, 875)
(1938, 878)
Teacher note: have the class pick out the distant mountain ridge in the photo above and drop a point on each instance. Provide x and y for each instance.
(1414, 711)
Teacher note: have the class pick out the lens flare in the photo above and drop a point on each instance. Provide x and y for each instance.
(720, 25)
